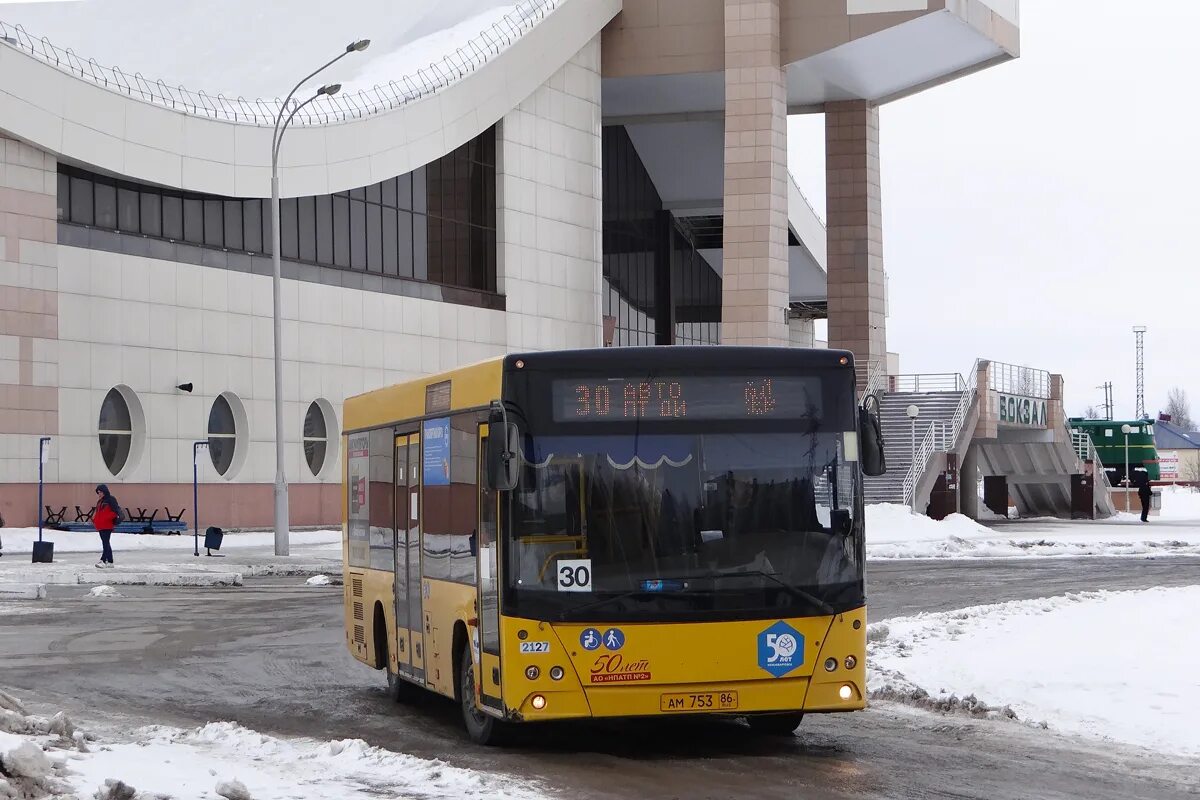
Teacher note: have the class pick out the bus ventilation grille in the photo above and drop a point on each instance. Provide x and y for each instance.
(360, 635)
(358, 612)
(356, 587)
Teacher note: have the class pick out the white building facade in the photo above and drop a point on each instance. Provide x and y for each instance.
(527, 201)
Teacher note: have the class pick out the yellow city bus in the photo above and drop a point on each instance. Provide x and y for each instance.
(618, 532)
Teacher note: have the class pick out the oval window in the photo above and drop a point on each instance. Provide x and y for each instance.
(316, 438)
(222, 435)
(115, 431)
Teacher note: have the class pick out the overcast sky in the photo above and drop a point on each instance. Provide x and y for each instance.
(1038, 210)
(1033, 212)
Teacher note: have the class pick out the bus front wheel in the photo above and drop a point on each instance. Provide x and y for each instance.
(775, 724)
(482, 728)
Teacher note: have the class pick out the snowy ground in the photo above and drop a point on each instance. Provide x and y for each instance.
(20, 541)
(47, 757)
(894, 532)
(1115, 665)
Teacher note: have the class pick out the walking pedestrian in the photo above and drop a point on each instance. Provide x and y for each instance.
(105, 518)
(1144, 493)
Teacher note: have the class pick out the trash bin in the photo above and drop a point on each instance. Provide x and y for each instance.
(43, 552)
(212, 538)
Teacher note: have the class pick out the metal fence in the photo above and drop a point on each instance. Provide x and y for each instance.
(1018, 380)
(338, 108)
(935, 382)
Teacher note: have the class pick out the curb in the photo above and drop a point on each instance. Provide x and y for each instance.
(161, 579)
(22, 591)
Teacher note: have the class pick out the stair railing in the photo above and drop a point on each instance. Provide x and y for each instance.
(941, 436)
(875, 379)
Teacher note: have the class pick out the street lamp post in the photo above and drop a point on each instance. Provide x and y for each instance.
(282, 545)
(913, 412)
(1126, 429)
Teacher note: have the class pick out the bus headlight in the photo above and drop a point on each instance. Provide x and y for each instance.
(556, 673)
(538, 702)
(532, 673)
(846, 692)
(830, 664)
(851, 662)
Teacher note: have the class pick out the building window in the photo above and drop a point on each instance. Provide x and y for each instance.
(318, 422)
(436, 224)
(115, 431)
(658, 286)
(222, 434)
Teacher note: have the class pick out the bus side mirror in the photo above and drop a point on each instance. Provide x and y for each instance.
(870, 436)
(503, 461)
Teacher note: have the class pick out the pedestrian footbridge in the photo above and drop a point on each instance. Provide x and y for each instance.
(1000, 424)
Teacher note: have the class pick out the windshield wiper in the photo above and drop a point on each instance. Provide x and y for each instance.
(792, 590)
(562, 617)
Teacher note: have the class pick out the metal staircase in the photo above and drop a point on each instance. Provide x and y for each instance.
(934, 431)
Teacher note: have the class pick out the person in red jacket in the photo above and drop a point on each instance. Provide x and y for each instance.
(105, 518)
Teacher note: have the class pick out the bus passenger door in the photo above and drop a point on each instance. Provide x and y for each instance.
(488, 583)
(403, 654)
(416, 616)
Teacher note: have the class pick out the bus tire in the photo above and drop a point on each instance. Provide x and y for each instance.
(482, 728)
(775, 724)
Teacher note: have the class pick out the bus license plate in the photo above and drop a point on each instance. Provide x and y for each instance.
(698, 701)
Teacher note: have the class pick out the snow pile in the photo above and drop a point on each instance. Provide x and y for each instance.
(189, 763)
(1180, 503)
(233, 790)
(26, 771)
(104, 591)
(894, 532)
(48, 758)
(318, 580)
(1115, 665)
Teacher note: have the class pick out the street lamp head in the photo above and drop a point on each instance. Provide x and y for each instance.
(913, 411)
(359, 46)
(330, 89)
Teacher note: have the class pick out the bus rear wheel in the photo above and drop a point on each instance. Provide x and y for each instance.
(482, 728)
(775, 724)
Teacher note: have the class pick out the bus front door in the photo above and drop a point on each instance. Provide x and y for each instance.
(410, 637)
(488, 678)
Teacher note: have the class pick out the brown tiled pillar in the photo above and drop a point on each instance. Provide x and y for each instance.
(855, 232)
(28, 321)
(755, 273)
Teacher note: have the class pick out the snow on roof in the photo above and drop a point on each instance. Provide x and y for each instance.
(235, 48)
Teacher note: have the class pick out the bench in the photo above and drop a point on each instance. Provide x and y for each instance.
(163, 526)
(55, 517)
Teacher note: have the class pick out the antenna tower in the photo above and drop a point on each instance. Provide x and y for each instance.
(1139, 332)
(1108, 403)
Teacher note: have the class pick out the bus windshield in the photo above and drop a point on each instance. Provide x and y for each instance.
(720, 522)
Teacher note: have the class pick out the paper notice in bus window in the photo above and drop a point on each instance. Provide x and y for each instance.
(574, 575)
(850, 446)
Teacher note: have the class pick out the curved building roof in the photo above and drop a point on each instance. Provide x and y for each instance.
(140, 126)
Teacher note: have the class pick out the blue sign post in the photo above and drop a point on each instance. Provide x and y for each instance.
(42, 453)
(43, 552)
(196, 495)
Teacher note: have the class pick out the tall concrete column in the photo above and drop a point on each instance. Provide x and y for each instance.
(968, 483)
(755, 273)
(854, 232)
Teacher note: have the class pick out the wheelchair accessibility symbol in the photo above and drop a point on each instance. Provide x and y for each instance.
(590, 639)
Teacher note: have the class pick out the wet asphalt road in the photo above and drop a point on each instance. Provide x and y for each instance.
(270, 656)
